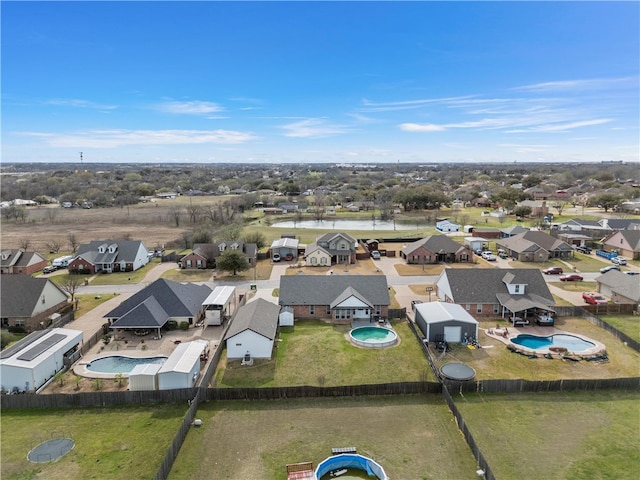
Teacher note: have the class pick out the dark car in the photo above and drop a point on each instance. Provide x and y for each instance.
(571, 277)
(585, 250)
(553, 271)
(288, 257)
(49, 269)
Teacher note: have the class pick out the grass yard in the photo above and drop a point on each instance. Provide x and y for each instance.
(87, 302)
(412, 437)
(628, 324)
(557, 436)
(497, 362)
(316, 353)
(110, 443)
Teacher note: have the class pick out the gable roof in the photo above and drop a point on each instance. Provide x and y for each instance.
(434, 243)
(439, 312)
(328, 237)
(127, 250)
(622, 284)
(9, 257)
(484, 285)
(632, 237)
(325, 289)
(530, 240)
(148, 314)
(175, 299)
(259, 316)
(20, 294)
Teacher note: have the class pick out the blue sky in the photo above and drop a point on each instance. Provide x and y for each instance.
(280, 82)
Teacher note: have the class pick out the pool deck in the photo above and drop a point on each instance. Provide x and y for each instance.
(505, 335)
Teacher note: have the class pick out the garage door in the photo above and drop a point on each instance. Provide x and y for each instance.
(452, 334)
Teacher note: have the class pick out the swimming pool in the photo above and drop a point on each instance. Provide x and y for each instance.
(349, 462)
(569, 342)
(120, 364)
(373, 337)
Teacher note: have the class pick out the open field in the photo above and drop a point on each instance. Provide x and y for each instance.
(110, 443)
(316, 353)
(413, 437)
(557, 436)
(497, 361)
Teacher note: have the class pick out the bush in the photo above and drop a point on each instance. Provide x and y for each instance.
(16, 329)
(172, 325)
(184, 325)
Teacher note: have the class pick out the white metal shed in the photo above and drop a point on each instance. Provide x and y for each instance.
(182, 368)
(219, 304)
(144, 377)
(286, 318)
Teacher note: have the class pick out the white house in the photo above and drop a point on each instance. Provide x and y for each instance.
(253, 330)
(182, 368)
(317, 256)
(30, 363)
(447, 226)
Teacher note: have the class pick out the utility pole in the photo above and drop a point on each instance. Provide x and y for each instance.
(80, 159)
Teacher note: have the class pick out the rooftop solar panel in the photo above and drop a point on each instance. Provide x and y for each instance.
(45, 345)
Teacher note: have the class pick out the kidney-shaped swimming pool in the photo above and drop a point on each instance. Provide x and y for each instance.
(538, 343)
(120, 364)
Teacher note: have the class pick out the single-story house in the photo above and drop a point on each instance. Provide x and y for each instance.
(539, 208)
(625, 242)
(182, 368)
(29, 302)
(19, 261)
(619, 286)
(340, 298)
(153, 306)
(253, 330)
(449, 322)
(204, 255)
(31, 362)
(535, 246)
(436, 249)
(495, 292)
(109, 256)
(512, 231)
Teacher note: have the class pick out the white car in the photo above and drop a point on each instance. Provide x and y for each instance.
(489, 256)
(275, 257)
(375, 255)
(619, 260)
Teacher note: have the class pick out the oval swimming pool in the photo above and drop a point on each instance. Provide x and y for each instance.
(120, 364)
(373, 337)
(570, 342)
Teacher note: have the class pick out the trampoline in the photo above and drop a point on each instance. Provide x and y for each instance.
(457, 371)
(51, 450)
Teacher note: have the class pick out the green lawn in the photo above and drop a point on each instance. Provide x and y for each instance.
(319, 354)
(110, 443)
(557, 436)
(412, 437)
(628, 324)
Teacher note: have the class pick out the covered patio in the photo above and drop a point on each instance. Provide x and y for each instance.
(521, 309)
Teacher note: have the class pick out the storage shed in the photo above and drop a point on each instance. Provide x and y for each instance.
(445, 321)
(253, 330)
(285, 319)
(31, 362)
(182, 368)
(144, 377)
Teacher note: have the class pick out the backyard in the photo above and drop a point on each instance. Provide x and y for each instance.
(319, 354)
(114, 443)
(557, 436)
(412, 437)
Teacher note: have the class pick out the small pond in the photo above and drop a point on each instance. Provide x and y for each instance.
(345, 224)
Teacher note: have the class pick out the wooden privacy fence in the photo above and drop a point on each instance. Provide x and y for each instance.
(520, 386)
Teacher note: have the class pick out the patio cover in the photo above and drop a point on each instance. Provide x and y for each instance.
(148, 314)
(518, 303)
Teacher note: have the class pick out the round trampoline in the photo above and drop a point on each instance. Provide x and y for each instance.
(51, 450)
(457, 371)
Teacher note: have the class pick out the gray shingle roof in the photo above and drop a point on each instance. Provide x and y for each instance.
(127, 251)
(626, 285)
(324, 289)
(434, 243)
(259, 316)
(148, 314)
(482, 285)
(527, 241)
(20, 294)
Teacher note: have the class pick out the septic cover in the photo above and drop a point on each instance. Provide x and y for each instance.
(50, 450)
(458, 371)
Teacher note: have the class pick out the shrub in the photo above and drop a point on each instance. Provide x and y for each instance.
(172, 325)
(184, 325)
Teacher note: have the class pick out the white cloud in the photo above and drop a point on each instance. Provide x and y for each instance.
(194, 107)
(313, 128)
(120, 137)
(579, 84)
(416, 127)
(77, 103)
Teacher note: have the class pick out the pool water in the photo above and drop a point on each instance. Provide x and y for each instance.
(570, 342)
(119, 364)
(372, 334)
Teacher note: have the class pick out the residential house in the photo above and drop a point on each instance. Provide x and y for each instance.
(204, 255)
(436, 249)
(535, 246)
(340, 298)
(539, 208)
(19, 261)
(152, 307)
(29, 302)
(339, 248)
(512, 231)
(253, 330)
(620, 287)
(495, 292)
(625, 242)
(109, 256)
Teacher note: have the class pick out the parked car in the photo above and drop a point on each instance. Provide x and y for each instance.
(288, 257)
(609, 268)
(619, 260)
(489, 257)
(275, 257)
(375, 255)
(553, 271)
(49, 269)
(571, 277)
(585, 250)
(593, 298)
(629, 272)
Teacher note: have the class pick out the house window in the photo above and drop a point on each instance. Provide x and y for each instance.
(312, 309)
(496, 308)
(323, 260)
(20, 323)
(468, 306)
(517, 290)
(188, 263)
(5, 322)
(328, 309)
(199, 263)
(479, 308)
(314, 260)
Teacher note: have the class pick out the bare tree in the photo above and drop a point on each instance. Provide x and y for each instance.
(194, 212)
(54, 245)
(73, 242)
(175, 214)
(70, 285)
(51, 214)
